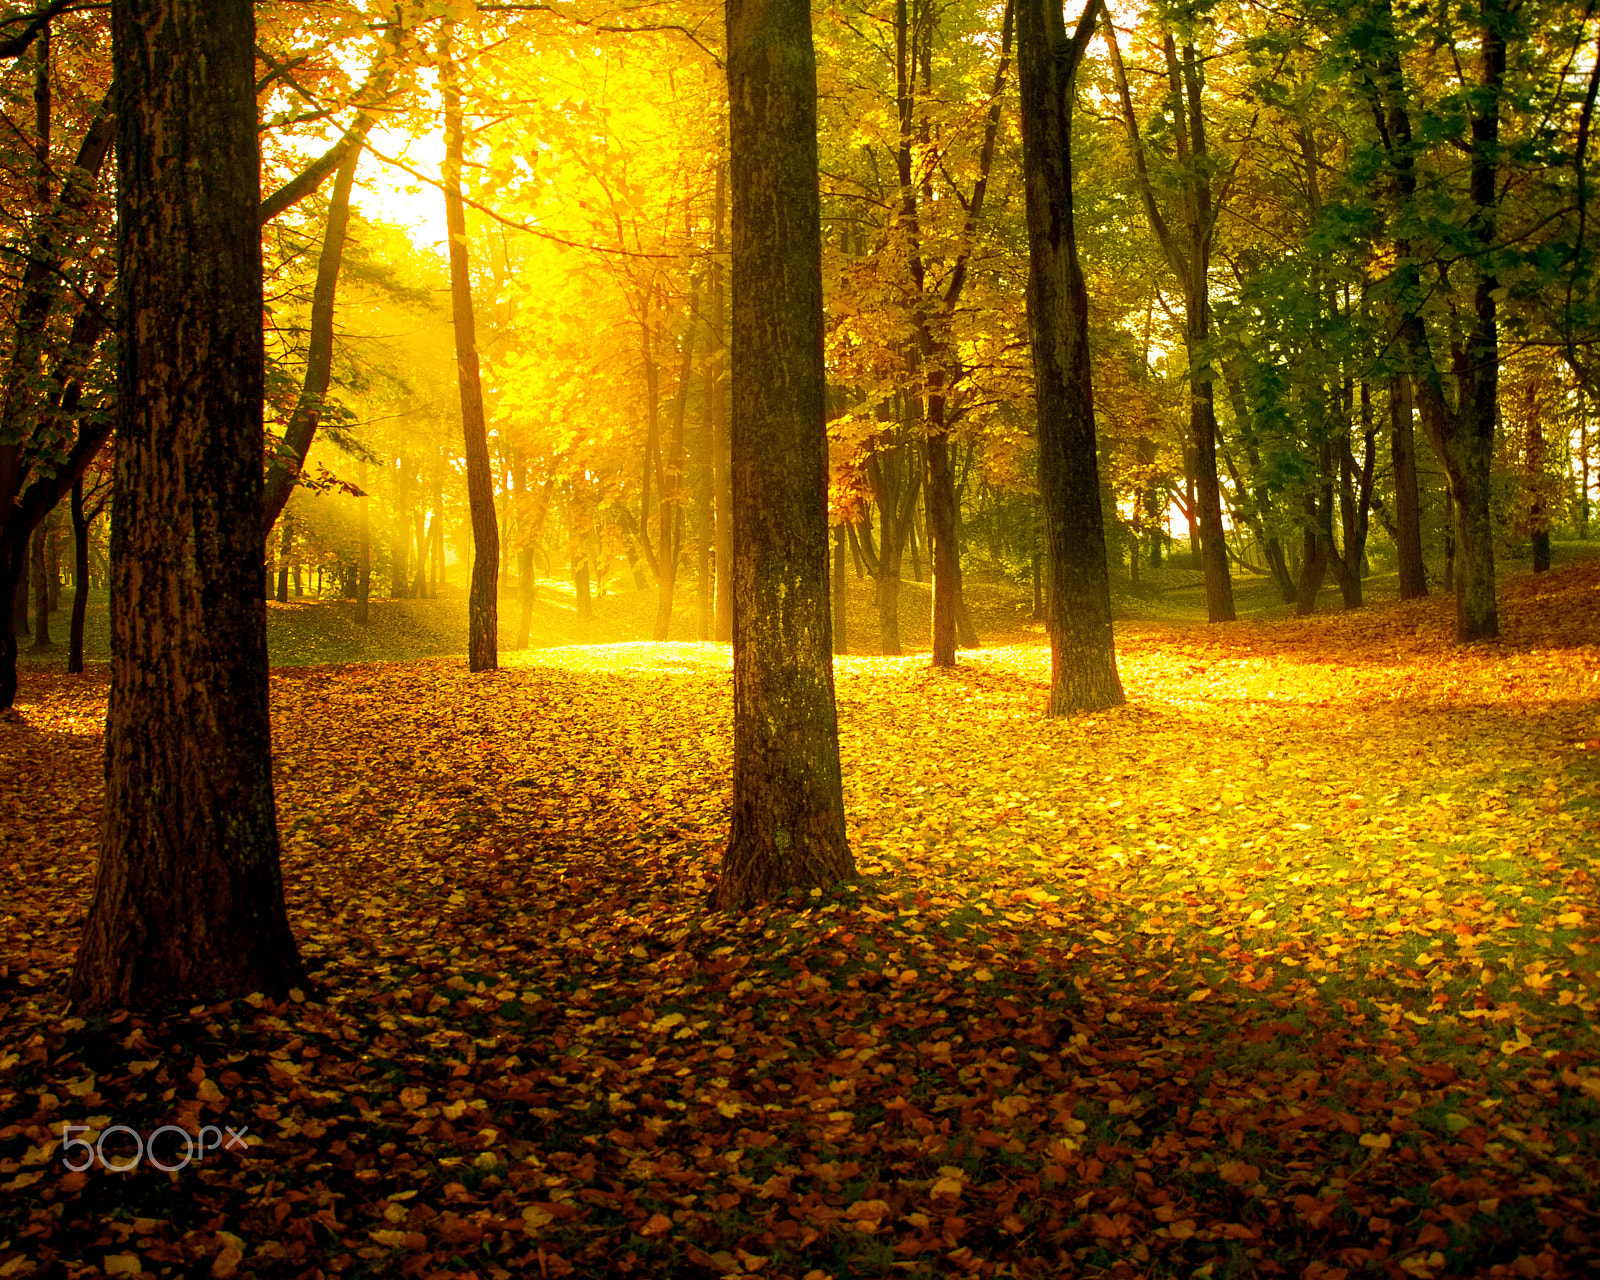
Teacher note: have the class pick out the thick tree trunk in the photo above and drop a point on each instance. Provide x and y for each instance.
(1407, 508)
(483, 602)
(788, 803)
(80, 579)
(189, 900)
(1083, 664)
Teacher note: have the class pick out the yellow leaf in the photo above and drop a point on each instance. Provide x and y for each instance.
(1102, 936)
(1199, 994)
(657, 1224)
(1377, 1141)
(122, 1264)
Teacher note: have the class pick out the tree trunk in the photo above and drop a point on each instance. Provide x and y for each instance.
(1083, 665)
(721, 476)
(290, 455)
(1407, 508)
(189, 901)
(41, 591)
(941, 498)
(285, 552)
(788, 804)
(1188, 256)
(840, 586)
(483, 604)
(400, 535)
(80, 579)
(1460, 428)
(1533, 469)
(364, 553)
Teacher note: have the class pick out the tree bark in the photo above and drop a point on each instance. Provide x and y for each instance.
(788, 803)
(483, 600)
(1083, 664)
(189, 900)
(1407, 508)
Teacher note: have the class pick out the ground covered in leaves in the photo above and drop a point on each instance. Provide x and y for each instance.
(1286, 968)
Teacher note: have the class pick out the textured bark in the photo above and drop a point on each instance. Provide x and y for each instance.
(788, 801)
(1407, 508)
(189, 900)
(290, 455)
(483, 608)
(1083, 664)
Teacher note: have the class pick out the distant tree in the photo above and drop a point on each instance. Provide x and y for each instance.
(483, 608)
(788, 800)
(1083, 660)
(189, 898)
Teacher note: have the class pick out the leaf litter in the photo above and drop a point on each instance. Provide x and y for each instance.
(1288, 967)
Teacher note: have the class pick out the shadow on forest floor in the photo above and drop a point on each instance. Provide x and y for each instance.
(1288, 967)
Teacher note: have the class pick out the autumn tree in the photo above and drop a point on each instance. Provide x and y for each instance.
(1083, 664)
(189, 899)
(483, 602)
(788, 801)
(1186, 233)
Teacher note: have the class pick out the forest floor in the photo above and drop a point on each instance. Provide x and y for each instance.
(1288, 967)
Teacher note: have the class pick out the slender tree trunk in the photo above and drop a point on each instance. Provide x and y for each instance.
(483, 604)
(290, 455)
(1460, 429)
(285, 552)
(721, 474)
(941, 497)
(840, 586)
(1533, 468)
(788, 803)
(80, 579)
(189, 901)
(41, 592)
(1407, 507)
(364, 552)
